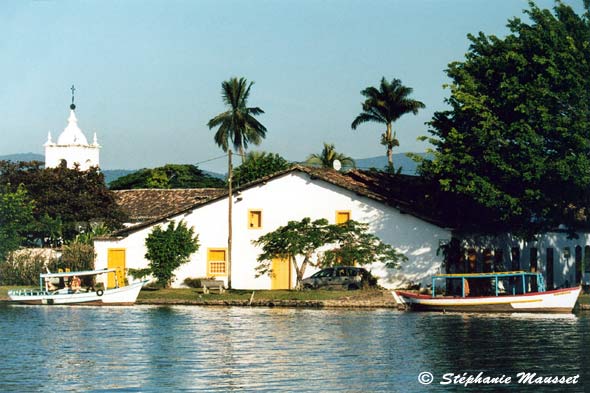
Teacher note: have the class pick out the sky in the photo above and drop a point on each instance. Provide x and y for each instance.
(148, 73)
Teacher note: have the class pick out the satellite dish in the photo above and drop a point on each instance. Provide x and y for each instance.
(337, 165)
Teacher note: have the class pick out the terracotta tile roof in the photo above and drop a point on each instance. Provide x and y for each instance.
(409, 194)
(148, 204)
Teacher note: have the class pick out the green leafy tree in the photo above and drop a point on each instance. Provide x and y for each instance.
(133, 181)
(385, 105)
(16, 215)
(296, 239)
(237, 124)
(347, 243)
(327, 157)
(51, 228)
(66, 200)
(516, 139)
(157, 179)
(355, 245)
(167, 176)
(258, 165)
(169, 248)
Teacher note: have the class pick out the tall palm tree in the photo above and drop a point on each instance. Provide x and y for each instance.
(385, 105)
(237, 124)
(327, 157)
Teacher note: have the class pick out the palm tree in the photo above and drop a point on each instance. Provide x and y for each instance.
(385, 105)
(237, 124)
(327, 157)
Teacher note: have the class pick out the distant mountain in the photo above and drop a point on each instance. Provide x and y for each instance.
(379, 162)
(215, 174)
(408, 165)
(114, 174)
(23, 157)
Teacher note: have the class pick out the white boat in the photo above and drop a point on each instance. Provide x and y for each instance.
(491, 292)
(125, 295)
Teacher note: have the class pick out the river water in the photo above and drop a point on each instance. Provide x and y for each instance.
(190, 348)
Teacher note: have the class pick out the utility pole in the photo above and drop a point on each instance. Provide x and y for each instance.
(229, 217)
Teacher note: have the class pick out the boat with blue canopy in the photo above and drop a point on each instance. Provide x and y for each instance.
(515, 291)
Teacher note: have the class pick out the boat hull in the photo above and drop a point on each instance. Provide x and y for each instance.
(556, 301)
(126, 295)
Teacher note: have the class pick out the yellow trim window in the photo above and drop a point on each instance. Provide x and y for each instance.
(342, 216)
(216, 262)
(254, 219)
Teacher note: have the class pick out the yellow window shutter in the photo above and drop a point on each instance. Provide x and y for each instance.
(342, 216)
(254, 219)
(216, 262)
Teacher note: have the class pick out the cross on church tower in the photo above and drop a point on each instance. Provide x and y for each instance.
(72, 147)
(72, 107)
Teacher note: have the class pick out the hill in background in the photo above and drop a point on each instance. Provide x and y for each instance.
(399, 160)
(379, 162)
(23, 157)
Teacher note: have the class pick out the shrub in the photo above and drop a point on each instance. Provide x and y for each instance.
(169, 248)
(77, 257)
(139, 273)
(24, 266)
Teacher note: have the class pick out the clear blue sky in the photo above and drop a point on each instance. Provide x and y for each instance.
(148, 73)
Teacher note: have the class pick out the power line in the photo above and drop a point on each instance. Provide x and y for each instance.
(211, 159)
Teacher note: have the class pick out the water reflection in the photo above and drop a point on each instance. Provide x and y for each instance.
(142, 348)
(507, 345)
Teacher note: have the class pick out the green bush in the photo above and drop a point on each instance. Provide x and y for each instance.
(77, 257)
(169, 248)
(139, 273)
(24, 266)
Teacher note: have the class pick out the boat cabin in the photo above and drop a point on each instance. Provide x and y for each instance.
(488, 284)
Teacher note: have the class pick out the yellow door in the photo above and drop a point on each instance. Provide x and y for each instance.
(281, 274)
(116, 260)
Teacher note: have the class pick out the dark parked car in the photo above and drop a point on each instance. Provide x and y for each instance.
(341, 277)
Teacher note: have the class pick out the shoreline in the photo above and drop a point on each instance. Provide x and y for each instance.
(280, 298)
(369, 299)
(274, 303)
(294, 304)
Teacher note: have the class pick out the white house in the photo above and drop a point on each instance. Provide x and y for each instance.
(563, 259)
(264, 205)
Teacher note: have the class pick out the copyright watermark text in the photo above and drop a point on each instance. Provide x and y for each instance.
(481, 378)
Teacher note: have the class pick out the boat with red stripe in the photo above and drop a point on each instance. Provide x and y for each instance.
(516, 291)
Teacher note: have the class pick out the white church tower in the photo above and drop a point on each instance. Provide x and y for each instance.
(72, 146)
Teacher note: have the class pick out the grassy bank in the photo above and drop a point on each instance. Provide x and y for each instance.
(317, 298)
(4, 290)
(190, 295)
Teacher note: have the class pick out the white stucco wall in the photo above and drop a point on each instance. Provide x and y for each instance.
(293, 197)
(85, 156)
